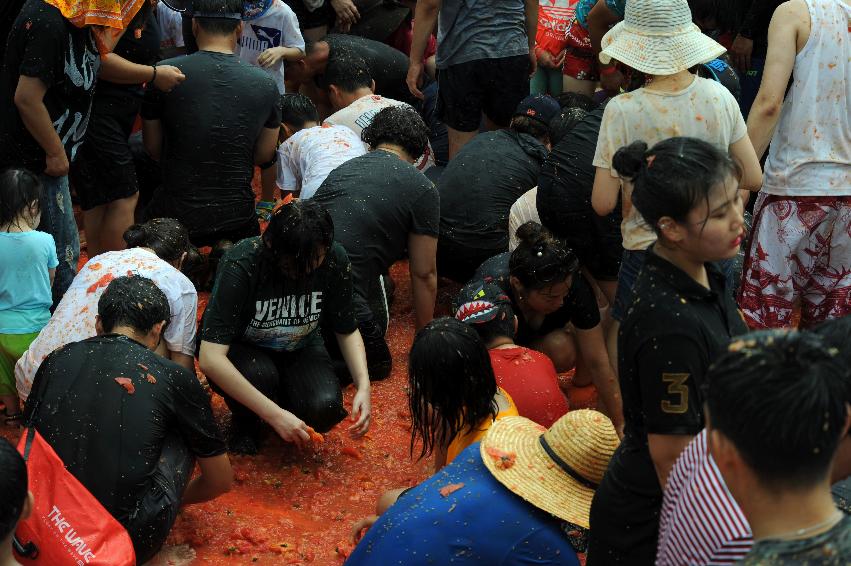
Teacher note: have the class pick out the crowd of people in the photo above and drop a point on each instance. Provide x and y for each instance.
(582, 170)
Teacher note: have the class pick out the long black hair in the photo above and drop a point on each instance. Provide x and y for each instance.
(673, 176)
(451, 383)
(166, 236)
(13, 487)
(540, 260)
(302, 231)
(18, 189)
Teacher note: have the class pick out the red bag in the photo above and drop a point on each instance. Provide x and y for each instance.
(68, 526)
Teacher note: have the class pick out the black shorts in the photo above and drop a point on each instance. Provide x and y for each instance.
(491, 86)
(322, 16)
(103, 170)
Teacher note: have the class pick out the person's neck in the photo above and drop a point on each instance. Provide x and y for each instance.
(19, 224)
(501, 343)
(693, 268)
(133, 334)
(309, 125)
(349, 97)
(217, 43)
(396, 150)
(790, 515)
(670, 83)
(7, 557)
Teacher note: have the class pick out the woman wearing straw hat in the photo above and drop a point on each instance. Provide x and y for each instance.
(658, 38)
(509, 499)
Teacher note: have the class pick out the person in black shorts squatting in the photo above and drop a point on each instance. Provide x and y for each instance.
(261, 343)
(681, 319)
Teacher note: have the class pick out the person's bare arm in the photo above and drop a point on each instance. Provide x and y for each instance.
(354, 354)
(215, 479)
(779, 63)
(422, 250)
(264, 153)
(268, 183)
(275, 54)
(604, 195)
(52, 273)
(599, 20)
(592, 348)
(743, 152)
(115, 68)
(183, 360)
(29, 100)
(215, 364)
(425, 18)
(531, 31)
(664, 451)
(152, 138)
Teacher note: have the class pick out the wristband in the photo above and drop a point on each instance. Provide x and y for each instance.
(608, 70)
(154, 78)
(269, 163)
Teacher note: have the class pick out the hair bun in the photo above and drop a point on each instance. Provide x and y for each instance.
(533, 235)
(630, 159)
(136, 236)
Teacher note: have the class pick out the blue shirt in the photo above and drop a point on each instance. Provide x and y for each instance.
(25, 296)
(583, 7)
(480, 523)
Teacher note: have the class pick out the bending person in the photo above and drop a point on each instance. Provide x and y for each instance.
(156, 250)
(261, 344)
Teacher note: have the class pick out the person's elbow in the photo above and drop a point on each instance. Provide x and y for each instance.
(766, 106)
(427, 272)
(601, 206)
(751, 181)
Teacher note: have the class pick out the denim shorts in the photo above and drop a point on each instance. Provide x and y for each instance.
(631, 264)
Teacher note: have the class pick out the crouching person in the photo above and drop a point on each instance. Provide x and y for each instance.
(127, 423)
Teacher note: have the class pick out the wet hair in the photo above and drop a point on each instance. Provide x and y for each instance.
(302, 231)
(501, 326)
(836, 333)
(13, 487)
(780, 398)
(532, 127)
(673, 177)
(540, 260)
(166, 236)
(133, 301)
(398, 125)
(18, 189)
(348, 72)
(564, 122)
(576, 100)
(297, 110)
(217, 26)
(449, 372)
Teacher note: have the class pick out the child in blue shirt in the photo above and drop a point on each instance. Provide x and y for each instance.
(29, 262)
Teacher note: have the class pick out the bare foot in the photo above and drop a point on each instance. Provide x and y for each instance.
(180, 555)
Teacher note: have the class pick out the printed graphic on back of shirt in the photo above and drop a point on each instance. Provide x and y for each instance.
(282, 323)
(81, 72)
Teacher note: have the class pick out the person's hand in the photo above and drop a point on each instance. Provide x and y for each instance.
(290, 428)
(611, 81)
(362, 409)
(533, 63)
(168, 77)
(56, 165)
(547, 61)
(740, 53)
(415, 78)
(270, 56)
(347, 13)
(361, 526)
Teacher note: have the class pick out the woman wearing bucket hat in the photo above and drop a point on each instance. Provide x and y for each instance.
(543, 480)
(658, 38)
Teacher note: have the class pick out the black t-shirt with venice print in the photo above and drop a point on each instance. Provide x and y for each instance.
(44, 45)
(253, 302)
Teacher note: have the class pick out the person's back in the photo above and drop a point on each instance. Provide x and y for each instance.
(306, 158)
(467, 526)
(483, 29)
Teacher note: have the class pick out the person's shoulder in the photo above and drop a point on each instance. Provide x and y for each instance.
(41, 15)
(244, 252)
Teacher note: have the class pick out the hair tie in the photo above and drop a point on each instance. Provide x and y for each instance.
(539, 250)
(650, 160)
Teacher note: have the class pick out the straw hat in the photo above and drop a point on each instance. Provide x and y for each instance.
(556, 470)
(657, 37)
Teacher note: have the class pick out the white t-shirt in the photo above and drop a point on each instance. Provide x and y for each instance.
(171, 27)
(74, 319)
(359, 114)
(276, 27)
(704, 110)
(306, 158)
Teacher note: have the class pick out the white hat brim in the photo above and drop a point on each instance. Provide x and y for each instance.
(659, 54)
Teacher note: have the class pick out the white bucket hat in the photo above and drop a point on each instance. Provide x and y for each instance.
(657, 37)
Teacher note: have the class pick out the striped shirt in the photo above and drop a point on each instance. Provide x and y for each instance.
(700, 521)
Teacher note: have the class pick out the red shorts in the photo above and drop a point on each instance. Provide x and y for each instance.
(579, 61)
(800, 250)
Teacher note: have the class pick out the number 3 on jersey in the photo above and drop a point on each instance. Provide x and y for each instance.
(677, 403)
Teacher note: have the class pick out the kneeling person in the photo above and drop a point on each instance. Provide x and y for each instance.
(130, 424)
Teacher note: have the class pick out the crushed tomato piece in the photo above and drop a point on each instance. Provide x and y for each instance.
(451, 488)
(351, 451)
(126, 383)
(502, 459)
(315, 436)
(102, 282)
(151, 378)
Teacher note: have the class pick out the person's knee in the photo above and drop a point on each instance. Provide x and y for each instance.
(322, 411)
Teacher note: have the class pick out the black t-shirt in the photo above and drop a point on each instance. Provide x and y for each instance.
(44, 45)
(388, 66)
(110, 435)
(143, 51)
(579, 306)
(211, 122)
(252, 301)
(481, 183)
(376, 201)
(831, 548)
(564, 194)
(673, 331)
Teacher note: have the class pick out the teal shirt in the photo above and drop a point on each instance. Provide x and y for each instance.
(584, 6)
(25, 296)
